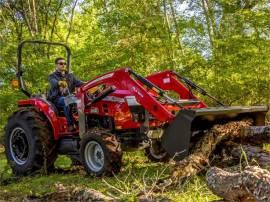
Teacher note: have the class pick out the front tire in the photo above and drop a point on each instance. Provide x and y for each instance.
(156, 153)
(29, 143)
(101, 154)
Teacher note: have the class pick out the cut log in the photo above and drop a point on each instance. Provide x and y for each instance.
(253, 184)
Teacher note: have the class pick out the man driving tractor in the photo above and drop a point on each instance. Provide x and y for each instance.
(62, 84)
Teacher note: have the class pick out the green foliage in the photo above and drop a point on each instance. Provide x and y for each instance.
(224, 46)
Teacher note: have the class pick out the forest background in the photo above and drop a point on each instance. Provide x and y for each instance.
(222, 45)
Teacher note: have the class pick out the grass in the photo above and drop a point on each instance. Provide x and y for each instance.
(266, 147)
(136, 174)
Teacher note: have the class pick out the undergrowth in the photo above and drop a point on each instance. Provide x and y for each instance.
(137, 177)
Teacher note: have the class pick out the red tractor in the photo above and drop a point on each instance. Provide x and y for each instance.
(117, 111)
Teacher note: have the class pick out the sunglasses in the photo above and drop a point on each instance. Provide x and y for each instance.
(62, 63)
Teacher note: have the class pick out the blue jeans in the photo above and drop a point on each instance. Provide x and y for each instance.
(60, 103)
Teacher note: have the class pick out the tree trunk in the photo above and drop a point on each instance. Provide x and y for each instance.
(55, 19)
(168, 26)
(71, 20)
(208, 24)
(177, 31)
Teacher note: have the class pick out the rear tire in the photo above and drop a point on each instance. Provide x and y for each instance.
(101, 154)
(29, 143)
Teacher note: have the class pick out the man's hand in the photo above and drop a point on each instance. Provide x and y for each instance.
(62, 84)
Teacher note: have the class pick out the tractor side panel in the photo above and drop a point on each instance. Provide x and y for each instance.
(45, 108)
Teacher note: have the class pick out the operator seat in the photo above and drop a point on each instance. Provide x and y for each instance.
(60, 111)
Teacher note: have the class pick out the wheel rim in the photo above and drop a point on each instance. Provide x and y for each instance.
(157, 155)
(94, 156)
(19, 146)
(157, 152)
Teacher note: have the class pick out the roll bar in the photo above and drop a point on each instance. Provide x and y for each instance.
(19, 56)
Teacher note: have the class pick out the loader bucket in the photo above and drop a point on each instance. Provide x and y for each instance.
(177, 136)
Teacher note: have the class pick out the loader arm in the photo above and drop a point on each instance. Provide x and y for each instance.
(167, 80)
(122, 79)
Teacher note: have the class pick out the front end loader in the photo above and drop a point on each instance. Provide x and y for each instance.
(115, 112)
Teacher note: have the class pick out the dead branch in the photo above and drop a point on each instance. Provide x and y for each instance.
(64, 193)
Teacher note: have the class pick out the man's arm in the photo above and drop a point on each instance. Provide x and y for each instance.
(53, 82)
(77, 82)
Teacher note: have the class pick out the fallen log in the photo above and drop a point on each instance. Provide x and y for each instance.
(253, 184)
(199, 157)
